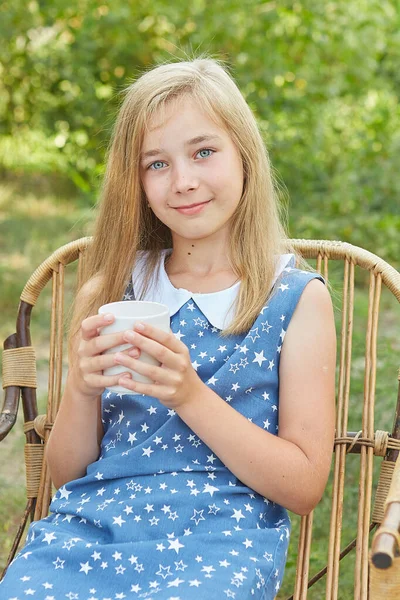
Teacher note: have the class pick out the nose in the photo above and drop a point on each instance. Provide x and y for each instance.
(183, 179)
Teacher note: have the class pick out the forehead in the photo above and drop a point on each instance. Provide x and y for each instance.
(181, 114)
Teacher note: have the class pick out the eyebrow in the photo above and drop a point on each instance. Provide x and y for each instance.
(196, 140)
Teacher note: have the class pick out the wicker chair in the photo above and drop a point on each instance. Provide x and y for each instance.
(376, 563)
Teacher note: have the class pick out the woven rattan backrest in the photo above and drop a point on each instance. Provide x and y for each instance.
(54, 267)
(20, 377)
(338, 263)
(361, 445)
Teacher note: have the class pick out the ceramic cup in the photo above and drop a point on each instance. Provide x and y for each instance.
(126, 314)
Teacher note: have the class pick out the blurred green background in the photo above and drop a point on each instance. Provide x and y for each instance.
(321, 77)
(323, 80)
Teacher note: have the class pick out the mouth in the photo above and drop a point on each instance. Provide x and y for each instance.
(191, 208)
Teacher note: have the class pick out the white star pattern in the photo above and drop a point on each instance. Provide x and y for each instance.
(85, 567)
(175, 545)
(49, 537)
(259, 357)
(266, 326)
(238, 515)
(156, 483)
(64, 493)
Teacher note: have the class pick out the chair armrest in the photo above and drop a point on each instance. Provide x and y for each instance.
(9, 412)
(387, 536)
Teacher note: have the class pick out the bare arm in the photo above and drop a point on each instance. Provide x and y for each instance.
(291, 468)
(75, 439)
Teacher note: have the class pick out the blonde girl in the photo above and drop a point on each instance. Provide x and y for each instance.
(183, 485)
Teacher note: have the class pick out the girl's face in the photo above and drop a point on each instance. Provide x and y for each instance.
(191, 172)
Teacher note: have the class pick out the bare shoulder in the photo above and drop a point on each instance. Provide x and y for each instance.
(312, 325)
(317, 290)
(315, 301)
(311, 333)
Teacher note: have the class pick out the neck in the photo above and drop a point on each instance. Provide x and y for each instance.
(198, 258)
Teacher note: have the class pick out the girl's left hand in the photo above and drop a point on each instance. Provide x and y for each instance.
(175, 381)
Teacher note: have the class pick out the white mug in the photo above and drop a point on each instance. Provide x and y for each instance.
(126, 314)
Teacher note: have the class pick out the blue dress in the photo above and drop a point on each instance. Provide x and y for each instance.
(158, 515)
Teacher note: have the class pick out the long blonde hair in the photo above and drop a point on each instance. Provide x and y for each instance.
(126, 224)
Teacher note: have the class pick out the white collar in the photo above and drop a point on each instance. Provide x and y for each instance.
(218, 307)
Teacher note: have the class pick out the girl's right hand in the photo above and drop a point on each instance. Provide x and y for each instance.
(88, 366)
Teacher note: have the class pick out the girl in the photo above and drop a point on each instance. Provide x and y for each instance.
(180, 489)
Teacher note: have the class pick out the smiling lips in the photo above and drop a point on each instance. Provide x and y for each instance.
(192, 208)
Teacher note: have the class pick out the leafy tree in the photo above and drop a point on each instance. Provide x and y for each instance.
(321, 77)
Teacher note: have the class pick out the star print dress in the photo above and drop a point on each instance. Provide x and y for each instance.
(158, 515)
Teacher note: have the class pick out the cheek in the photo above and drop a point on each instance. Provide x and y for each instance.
(155, 185)
(151, 190)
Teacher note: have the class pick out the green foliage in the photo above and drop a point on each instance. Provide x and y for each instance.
(321, 77)
(32, 226)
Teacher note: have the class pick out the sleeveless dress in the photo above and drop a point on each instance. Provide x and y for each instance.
(158, 515)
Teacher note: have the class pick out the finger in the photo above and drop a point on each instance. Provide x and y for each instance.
(106, 342)
(153, 372)
(166, 338)
(91, 325)
(99, 381)
(132, 351)
(161, 392)
(100, 362)
(162, 353)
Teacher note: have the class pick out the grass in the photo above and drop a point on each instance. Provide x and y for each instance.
(31, 227)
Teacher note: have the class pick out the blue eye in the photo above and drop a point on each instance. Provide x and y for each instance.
(205, 150)
(157, 162)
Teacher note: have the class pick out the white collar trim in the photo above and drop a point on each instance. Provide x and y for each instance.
(218, 307)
